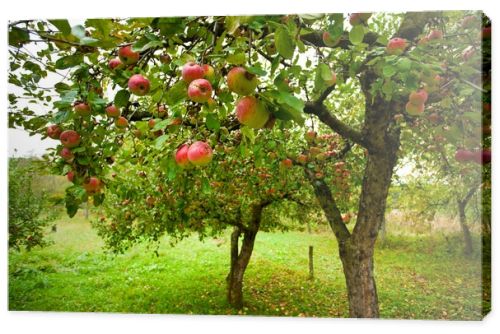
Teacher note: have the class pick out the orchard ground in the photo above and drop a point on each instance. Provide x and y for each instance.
(418, 276)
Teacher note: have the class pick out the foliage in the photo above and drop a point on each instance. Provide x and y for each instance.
(28, 208)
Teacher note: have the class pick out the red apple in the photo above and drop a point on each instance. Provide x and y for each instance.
(113, 111)
(302, 159)
(286, 163)
(423, 41)
(209, 72)
(66, 154)
(114, 63)
(434, 118)
(414, 110)
(200, 90)
(199, 153)
(121, 122)
(242, 82)
(192, 71)
(462, 155)
(486, 33)
(127, 56)
(138, 85)
(82, 109)
(419, 97)
(54, 131)
(252, 112)
(328, 40)
(70, 138)
(396, 46)
(92, 185)
(482, 156)
(310, 136)
(165, 58)
(435, 35)
(70, 176)
(151, 123)
(181, 156)
(162, 111)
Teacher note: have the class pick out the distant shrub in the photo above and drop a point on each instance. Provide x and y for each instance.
(27, 207)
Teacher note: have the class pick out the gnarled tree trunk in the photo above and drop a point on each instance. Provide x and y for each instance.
(241, 257)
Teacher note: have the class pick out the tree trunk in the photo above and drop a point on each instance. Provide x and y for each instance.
(241, 258)
(361, 287)
(311, 262)
(465, 229)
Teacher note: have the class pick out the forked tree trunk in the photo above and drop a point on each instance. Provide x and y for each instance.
(462, 204)
(239, 263)
(241, 257)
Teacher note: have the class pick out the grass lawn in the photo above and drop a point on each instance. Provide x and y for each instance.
(417, 277)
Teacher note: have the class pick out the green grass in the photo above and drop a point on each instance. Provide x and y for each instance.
(417, 277)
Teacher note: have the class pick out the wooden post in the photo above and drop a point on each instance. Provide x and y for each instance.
(311, 263)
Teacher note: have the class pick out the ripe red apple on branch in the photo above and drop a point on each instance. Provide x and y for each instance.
(181, 156)
(138, 85)
(114, 63)
(113, 111)
(200, 90)
(121, 122)
(70, 138)
(396, 46)
(92, 185)
(192, 71)
(82, 109)
(127, 56)
(252, 112)
(359, 18)
(241, 82)
(54, 131)
(199, 153)
(66, 154)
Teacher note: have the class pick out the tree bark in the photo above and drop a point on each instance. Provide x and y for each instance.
(241, 258)
(311, 262)
(465, 229)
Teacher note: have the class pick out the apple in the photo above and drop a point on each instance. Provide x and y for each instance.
(358, 18)
(396, 46)
(200, 90)
(70, 176)
(192, 71)
(162, 111)
(252, 112)
(54, 131)
(462, 155)
(469, 21)
(151, 123)
(286, 163)
(82, 109)
(423, 41)
(435, 35)
(121, 122)
(66, 154)
(114, 63)
(482, 156)
(138, 85)
(419, 97)
(333, 80)
(92, 185)
(302, 159)
(310, 136)
(242, 82)
(199, 153)
(181, 156)
(328, 40)
(209, 72)
(434, 118)
(486, 33)
(127, 56)
(70, 138)
(113, 111)
(414, 110)
(165, 58)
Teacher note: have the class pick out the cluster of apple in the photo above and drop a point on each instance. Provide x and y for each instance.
(197, 77)
(482, 156)
(137, 83)
(416, 102)
(69, 140)
(197, 154)
(433, 35)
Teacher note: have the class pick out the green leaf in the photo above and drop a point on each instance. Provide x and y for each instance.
(18, 36)
(176, 93)
(237, 58)
(160, 141)
(473, 116)
(205, 186)
(78, 31)
(69, 61)
(121, 98)
(257, 70)
(388, 71)
(357, 34)
(162, 124)
(248, 133)
(61, 117)
(404, 64)
(232, 23)
(212, 122)
(291, 101)
(62, 25)
(325, 72)
(284, 43)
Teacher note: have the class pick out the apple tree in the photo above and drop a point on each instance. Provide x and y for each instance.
(179, 99)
